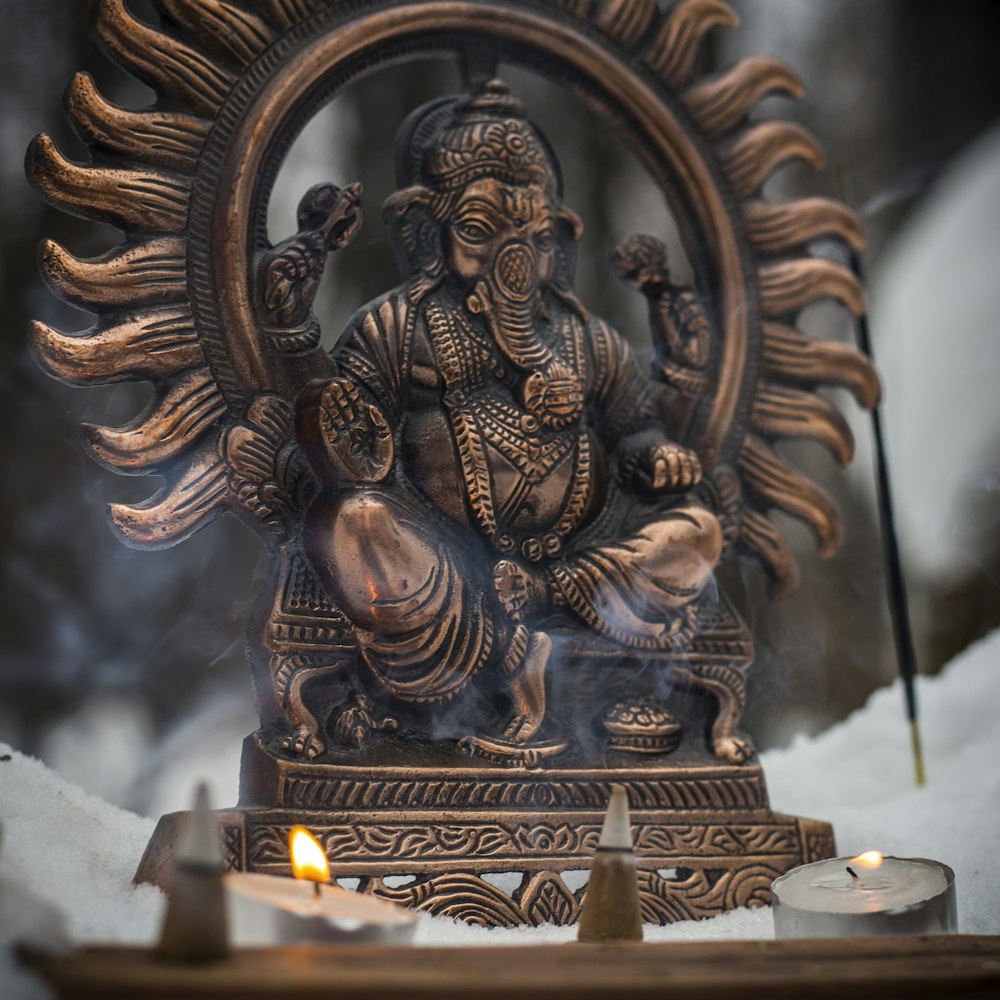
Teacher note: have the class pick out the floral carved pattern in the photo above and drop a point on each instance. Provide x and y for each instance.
(546, 838)
(817, 838)
(717, 839)
(232, 848)
(512, 838)
(408, 842)
(704, 893)
(459, 897)
(546, 899)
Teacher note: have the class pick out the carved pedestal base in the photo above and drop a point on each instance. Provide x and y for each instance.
(502, 846)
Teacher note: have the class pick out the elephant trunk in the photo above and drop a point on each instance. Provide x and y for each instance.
(509, 302)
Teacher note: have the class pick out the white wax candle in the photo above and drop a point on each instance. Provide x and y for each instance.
(269, 908)
(865, 895)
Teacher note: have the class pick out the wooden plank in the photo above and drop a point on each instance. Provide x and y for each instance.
(940, 966)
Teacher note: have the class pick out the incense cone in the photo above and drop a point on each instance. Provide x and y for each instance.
(611, 909)
(194, 926)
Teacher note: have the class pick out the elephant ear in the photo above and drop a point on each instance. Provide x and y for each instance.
(218, 430)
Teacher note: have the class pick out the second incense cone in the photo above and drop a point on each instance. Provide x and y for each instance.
(611, 908)
(195, 928)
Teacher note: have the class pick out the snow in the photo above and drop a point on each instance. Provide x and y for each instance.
(857, 774)
(90, 851)
(935, 300)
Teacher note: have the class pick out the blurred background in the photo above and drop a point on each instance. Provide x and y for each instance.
(124, 670)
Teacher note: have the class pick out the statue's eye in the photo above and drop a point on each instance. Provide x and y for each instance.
(545, 240)
(473, 231)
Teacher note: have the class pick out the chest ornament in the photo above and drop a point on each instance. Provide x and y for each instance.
(515, 435)
(554, 396)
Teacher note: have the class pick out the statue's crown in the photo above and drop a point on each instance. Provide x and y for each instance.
(452, 142)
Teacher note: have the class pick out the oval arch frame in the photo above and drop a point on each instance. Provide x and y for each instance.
(186, 181)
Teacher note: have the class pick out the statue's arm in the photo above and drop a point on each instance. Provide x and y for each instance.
(630, 423)
(680, 328)
(346, 424)
(289, 274)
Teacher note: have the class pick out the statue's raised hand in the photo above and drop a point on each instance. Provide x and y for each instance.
(333, 213)
(356, 436)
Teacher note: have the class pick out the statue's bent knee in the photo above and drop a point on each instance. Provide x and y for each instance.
(707, 534)
(421, 625)
(377, 563)
(684, 547)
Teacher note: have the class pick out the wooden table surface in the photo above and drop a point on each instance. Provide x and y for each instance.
(950, 966)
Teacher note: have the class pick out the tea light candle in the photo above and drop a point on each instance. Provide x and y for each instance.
(865, 895)
(269, 908)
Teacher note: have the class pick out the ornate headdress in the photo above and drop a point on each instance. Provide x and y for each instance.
(451, 142)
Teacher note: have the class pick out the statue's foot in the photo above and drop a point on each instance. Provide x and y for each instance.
(519, 591)
(501, 751)
(303, 741)
(520, 729)
(734, 749)
(527, 685)
(356, 723)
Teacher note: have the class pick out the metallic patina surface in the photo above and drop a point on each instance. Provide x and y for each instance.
(493, 536)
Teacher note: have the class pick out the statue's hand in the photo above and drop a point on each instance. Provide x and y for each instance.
(345, 218)
(689, 333)
(665, 467)
(290, 272)
(290, 276)
(357, 437)
(333, 213)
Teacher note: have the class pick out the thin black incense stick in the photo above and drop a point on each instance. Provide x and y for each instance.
(895, 583)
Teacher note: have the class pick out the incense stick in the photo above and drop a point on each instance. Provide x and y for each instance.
(906, 656)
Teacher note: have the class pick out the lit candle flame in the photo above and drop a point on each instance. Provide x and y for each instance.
(869, 859)
(308, 860)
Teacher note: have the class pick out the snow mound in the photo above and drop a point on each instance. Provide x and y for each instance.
(66, 865)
